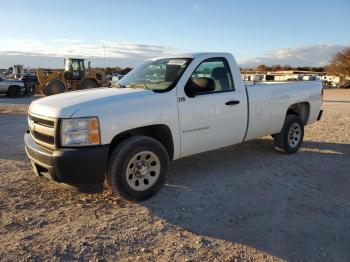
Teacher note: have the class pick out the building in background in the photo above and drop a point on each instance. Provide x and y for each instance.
(291, 75)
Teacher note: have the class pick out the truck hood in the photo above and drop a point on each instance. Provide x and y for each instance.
(66, 104)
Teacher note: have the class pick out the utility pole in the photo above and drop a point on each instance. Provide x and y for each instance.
(104, 55)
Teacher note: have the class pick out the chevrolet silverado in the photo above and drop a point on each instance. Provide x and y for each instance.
(164, 109)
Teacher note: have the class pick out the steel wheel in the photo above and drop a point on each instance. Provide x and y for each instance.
(137, 167)
(291, 136)
(294, 135)
(143, 171)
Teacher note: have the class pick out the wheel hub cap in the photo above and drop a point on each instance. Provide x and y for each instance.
(143, 170)
(294, 135)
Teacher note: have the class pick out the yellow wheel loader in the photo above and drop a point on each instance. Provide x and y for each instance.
(73, 77)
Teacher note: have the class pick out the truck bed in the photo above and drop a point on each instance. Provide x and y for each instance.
(269, 101)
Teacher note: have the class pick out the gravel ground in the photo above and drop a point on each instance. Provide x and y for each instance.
(241, 203)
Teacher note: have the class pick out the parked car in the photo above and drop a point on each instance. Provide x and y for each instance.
(132, 133)
(30, 82)
(115, 79)
(12, 88)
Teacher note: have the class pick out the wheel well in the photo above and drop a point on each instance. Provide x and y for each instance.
(301, 109)
(161, 133)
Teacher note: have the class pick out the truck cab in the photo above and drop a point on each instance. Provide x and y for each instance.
(74, 68)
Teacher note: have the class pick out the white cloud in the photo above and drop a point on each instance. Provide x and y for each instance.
(69, 48)
(311, 55)
(20, 45)
(113, 49)
(34, 53)
(125, 52)
(68, 41)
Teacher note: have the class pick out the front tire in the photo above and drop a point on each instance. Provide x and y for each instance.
(54, 87)
(14, 91)
(137, 168)
(291, 136)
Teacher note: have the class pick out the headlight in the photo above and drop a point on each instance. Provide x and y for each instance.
(80, 132)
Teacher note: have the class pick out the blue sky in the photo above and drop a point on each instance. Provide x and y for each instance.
(40, 33)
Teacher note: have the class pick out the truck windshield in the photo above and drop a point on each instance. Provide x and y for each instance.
(156, 75)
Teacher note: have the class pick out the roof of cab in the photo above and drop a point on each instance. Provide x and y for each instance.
(194, 55)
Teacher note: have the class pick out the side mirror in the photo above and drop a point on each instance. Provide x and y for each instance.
(199, 85)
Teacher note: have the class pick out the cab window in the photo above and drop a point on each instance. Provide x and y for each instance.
(218, 70)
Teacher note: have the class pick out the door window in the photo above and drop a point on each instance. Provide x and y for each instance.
(218, 70)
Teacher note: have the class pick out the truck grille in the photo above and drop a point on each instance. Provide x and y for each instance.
(44, 138)
(42, 130)
(43, 122)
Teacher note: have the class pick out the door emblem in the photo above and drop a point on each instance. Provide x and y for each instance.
(181, 99)
(195, 129)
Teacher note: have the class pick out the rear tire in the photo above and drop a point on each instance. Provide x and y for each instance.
(291, 136)
(14, 91)
(137, 168)
(54, 87)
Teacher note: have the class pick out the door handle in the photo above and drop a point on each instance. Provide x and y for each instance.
(232, 102)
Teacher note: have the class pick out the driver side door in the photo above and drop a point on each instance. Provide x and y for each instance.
(212, 119)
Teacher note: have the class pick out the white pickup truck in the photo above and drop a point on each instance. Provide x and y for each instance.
(164, 109)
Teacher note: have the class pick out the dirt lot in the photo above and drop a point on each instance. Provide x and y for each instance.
(245, 202)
